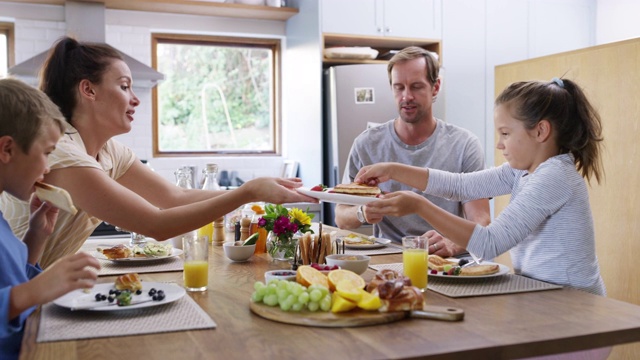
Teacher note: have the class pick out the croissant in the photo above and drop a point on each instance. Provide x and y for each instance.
(385, 275)
(117, 252)
(129, 281)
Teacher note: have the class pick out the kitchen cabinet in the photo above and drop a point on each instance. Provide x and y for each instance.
(197, 7)
(394, 18)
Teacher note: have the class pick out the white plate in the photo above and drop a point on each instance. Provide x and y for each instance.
(503, 270)
(379, 242)
(79, 300)
(337, 198)
(350, 52)
(174, 252)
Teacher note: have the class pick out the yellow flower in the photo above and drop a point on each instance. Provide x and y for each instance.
(300, 216)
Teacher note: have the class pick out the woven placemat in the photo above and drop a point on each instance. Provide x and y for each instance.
(468, 286)
(175, 263)
(379, 251)
(58, 323)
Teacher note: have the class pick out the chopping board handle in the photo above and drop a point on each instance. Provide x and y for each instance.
(433, 312)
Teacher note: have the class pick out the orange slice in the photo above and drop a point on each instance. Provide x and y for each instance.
(257, 209)
(335, 276)
(307, 276)
(348, 290)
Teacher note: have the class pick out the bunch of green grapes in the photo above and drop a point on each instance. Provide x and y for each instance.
(291, 296)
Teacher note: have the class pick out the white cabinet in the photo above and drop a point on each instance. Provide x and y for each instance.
(392, 18)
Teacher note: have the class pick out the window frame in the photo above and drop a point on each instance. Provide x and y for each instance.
(194, 39)
(7, 28)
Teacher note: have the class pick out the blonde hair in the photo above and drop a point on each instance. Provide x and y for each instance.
(23, 112)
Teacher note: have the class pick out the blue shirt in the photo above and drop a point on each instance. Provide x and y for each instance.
(15, 271)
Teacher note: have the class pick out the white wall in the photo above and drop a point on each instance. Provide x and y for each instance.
(617, 20)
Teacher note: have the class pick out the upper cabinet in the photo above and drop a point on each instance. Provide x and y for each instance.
(394, 18)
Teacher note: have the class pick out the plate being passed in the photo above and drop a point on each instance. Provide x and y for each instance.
(79, 300)
(331, 197)
(503, 270)
(142, 259)
(377, 243)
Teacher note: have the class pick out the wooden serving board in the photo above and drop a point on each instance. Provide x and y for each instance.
(353, 318)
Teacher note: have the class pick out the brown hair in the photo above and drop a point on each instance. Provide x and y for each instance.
(70, 62)
(23, 112)
(414, 52)
(577, 125)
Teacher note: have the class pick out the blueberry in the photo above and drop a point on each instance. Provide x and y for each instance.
(152, 291)
(103, 297)
(111, 291)
(160, 297)
(110, 299)
(463, 262)
(98, 297)
(138, 292)
(160, 293)
(155, 297)
(117, 292)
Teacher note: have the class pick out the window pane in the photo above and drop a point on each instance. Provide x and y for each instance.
(4, 55)
(215, 98)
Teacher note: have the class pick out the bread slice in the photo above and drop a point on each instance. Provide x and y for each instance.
(56, 196)
(479, 270)
(357, 189)
(437, 263)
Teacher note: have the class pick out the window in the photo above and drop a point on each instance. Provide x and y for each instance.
(219, 95)
(6, 48)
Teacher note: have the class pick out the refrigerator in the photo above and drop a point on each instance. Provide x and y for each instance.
(354, 97)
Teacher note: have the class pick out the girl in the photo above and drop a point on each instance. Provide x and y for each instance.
(551, 137)
(92, 86)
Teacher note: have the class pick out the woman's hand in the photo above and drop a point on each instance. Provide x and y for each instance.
(277, 190)
(374, 174)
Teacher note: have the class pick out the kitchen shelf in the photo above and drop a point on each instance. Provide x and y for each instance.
(381, 43)
(191, 7)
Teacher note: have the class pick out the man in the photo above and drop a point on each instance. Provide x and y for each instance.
(416, 138)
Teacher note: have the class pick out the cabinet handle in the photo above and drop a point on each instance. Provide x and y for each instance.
(379, 29)
(387, 30)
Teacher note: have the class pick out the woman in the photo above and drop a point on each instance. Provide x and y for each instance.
(92, 86)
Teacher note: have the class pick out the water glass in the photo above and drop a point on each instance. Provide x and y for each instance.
(196, 262)
(415, 259)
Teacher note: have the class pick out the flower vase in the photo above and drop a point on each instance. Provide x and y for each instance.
(282, 248)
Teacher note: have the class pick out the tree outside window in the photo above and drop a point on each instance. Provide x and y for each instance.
(218, 96)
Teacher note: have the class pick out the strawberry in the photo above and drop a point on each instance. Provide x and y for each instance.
(319, 187)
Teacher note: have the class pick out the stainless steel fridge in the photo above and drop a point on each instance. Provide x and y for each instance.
(355, 97)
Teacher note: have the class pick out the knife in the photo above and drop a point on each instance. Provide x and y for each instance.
(96, 305)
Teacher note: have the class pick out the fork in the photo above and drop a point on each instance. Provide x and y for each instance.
(476, 260)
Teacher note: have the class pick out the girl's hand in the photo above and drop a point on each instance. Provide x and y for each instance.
(397, 203)
(374, 174)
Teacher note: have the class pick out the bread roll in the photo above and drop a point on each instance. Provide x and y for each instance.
(129, 281)
(56, 196)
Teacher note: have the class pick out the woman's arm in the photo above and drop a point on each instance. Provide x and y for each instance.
(100, 196)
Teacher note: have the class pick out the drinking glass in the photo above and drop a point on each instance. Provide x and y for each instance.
(196, 262)
(415, 259)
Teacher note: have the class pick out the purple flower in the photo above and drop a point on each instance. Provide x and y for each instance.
(262, 222)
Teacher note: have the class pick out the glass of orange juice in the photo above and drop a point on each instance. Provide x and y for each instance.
(196, 262)
(415, 260)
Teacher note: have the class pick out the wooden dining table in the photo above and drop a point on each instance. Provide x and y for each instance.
(494, 327)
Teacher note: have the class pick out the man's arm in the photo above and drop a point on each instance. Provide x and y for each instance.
(346, 218)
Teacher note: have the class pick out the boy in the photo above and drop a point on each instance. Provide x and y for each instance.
(30, 126)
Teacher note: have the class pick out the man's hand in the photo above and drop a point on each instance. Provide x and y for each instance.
(441, 246)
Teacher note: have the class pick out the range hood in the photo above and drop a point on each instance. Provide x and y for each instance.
(86, 22)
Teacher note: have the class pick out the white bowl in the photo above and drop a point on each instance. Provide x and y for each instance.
(238, 253)
(356, 263)
(289, 275)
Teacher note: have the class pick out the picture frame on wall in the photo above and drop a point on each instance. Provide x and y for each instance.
(289, 169)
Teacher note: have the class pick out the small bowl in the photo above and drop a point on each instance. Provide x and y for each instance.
(238, 253)
(356, 263)
(288, 275)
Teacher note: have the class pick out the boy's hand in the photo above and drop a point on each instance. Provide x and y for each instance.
(77, 271)
(43, 217)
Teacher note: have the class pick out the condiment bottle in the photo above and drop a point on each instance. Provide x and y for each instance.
(218, 231)
(210, 183)
(261, 243)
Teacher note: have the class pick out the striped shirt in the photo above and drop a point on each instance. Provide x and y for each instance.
(70, 231)
(547, 225)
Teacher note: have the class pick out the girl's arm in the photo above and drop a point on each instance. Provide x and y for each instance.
(413, 176)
